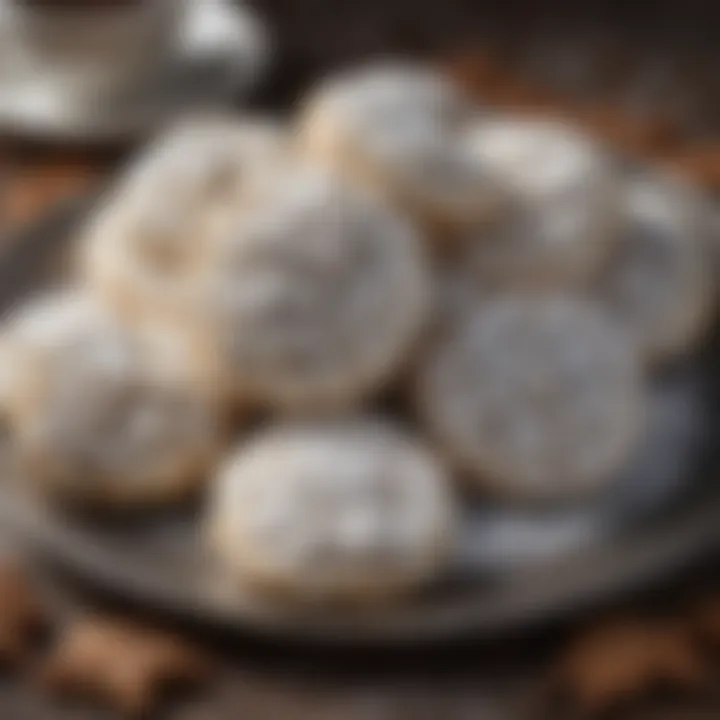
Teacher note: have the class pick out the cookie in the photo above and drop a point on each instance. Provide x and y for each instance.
(349, 510)
(317, 294)
(561, 215)
(397, 127)
(535, 397)
(99, 417)
(146, 245)
(659, 282)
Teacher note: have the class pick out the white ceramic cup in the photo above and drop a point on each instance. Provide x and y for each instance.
(99, 46)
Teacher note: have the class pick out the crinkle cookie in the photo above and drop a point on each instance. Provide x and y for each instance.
(536, 398)
(349, 510)
(659, 282)
(398, 128)
(145, 248)
(101, 418)
(317, 294)
(562, 215)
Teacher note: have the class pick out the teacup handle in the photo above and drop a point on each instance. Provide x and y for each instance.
(224, 43)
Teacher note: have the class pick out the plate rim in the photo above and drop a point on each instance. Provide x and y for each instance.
(628, 562)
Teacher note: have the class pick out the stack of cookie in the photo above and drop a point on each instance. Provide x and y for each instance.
(254, 292)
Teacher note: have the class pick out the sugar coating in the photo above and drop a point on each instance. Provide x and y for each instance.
(535, 397)
(348, 509)
(398, 127)
(146, 247)
(560, 220)
(659, 282)
(316, 294)
(100, 417)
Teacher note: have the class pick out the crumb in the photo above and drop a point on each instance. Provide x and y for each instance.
(122, 664)
(623, 659)
(22, 616)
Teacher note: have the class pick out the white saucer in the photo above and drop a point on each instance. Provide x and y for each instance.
(221, 51)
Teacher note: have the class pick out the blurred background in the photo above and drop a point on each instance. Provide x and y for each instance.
(641, 74)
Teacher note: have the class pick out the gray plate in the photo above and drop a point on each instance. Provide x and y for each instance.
(512, 567)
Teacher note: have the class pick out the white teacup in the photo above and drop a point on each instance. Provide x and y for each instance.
(96, 47)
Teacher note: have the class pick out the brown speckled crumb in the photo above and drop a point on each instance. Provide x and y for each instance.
(126, 666)
(22, 615)
(621, 660)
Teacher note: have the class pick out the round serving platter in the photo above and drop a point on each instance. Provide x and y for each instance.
(512, 567)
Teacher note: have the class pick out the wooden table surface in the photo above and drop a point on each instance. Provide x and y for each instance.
(473, 680)
(258, 681)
